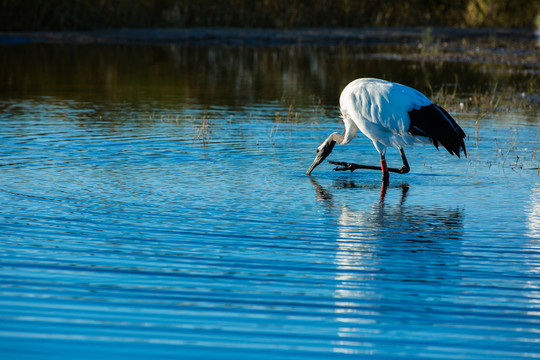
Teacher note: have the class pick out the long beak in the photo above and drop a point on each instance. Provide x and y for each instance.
(322, 153)
(316, 162)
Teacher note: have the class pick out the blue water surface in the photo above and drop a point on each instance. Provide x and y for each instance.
(184, 228)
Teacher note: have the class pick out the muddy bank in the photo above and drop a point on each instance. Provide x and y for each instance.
(519, 47)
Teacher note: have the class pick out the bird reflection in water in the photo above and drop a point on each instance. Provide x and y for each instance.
(391, 256)
(417, 222)
(324, 196)
(387, 231)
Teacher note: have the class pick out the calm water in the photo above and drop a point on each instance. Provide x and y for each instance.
(154, 205)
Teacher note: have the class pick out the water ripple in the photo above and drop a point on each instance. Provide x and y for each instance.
(135, 239)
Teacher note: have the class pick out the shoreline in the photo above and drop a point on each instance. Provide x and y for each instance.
(259, 36)
(518, 48)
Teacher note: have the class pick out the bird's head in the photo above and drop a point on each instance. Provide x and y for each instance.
(322, 153)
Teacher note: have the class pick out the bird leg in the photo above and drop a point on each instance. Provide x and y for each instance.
(344, 166)
(405, 168)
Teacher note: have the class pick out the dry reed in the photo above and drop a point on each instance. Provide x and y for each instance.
(31, 15)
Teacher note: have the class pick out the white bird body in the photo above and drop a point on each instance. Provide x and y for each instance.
(391, 115)
(380, 110)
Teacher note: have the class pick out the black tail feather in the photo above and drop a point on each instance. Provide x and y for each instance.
(433, 122)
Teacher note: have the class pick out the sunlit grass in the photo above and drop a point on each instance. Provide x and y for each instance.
(497, 99)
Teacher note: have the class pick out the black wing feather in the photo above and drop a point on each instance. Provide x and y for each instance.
(433, 122)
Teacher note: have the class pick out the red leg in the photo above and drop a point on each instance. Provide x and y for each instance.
(384, 168)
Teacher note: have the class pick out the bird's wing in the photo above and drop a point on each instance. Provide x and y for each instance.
(381, 103)
(433, 122)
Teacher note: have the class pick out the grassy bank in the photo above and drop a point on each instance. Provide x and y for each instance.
(33, 15)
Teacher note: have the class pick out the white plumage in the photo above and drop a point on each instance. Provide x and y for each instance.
(380, 110)
(391, 115)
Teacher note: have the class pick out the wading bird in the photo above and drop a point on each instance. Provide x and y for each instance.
(391, 115)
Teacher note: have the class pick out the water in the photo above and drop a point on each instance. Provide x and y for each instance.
(154, 205)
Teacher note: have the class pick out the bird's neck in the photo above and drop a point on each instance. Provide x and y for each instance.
(337, 137)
